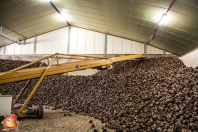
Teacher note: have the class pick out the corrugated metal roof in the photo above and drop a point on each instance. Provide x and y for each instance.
(133, 19)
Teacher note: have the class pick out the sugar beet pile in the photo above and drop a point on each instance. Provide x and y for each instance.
(158, 94)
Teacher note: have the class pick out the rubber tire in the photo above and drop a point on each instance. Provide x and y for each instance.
(29, 105)
(39, 111)
(110, 67)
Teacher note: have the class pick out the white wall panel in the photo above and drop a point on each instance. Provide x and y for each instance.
(191, 59)
(64, 40)
(1, 50)
(40, 45)
(127, 44)
(11, 48)
(18, 49)
(25, 48)
(159, 51)
(168, 53)
(109, 44)
(148, 49)
(56, 41)
(136, 47)
(73, 41)
(7, 47)
(156, 51)
(99, 43)
(31, 46)
(81, 41)
(141, 48)
(117, 45)
(48, 43)
(90, 43)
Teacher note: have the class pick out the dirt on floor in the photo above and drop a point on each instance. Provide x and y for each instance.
(60, 121)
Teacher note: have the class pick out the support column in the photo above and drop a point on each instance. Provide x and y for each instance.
(105, 46)
(145, 49)
(4, 52)
(34, 52)
(1, 28)
(68, 42)
(164, 53)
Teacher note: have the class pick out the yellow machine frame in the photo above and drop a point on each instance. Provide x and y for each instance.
(23, 73)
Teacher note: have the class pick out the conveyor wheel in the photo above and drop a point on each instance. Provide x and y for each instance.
(110, 67)
(39, 111)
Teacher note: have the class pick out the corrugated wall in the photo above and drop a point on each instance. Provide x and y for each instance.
(81, 42)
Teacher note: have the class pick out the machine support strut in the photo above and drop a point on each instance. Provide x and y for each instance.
(36, 86)
(23, 89)
(23, 73)
(21, 92)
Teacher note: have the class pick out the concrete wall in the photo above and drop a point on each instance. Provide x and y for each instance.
(116, 45)
(191, 59)
(86, 42)
(49, 43)
(81, 42)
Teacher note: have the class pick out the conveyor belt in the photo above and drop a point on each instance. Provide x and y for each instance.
(23, 74)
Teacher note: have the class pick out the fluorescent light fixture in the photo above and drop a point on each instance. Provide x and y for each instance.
(64, 15)
(60, 17)
(165, 19)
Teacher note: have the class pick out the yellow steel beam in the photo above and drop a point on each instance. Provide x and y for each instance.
(62, 57)
(24, 88)
(127, 57)
(83, 56)
(61, 68)
(36, 86)
(24, 66)
(21, 92)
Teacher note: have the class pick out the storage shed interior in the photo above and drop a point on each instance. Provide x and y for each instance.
(124, 65)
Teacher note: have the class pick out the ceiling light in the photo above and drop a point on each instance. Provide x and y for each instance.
(65, 16)
(165, 18)
(61, 17)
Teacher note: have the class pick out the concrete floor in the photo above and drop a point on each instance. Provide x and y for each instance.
(55, 121)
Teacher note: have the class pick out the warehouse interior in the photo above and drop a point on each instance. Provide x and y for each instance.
(99, 65)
